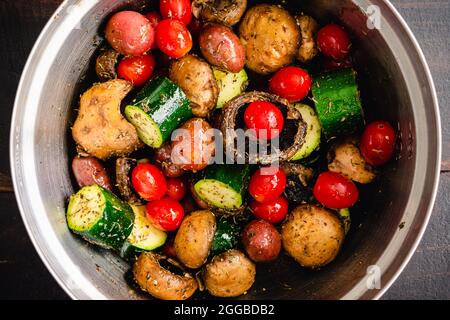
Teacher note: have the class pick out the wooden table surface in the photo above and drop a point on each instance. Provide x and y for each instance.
(23, 275)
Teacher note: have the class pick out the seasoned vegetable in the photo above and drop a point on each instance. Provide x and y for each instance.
(308, 29)
(338, 103)
(144, 236)
(274, 211)
(223, 186)
(270, 36)
(378, 143)
(148, 181)
(267, 184)
(222, 48)
(163, 156)
(124, 166)
(194, 238)
(160, 282)
(230, 85)
(292, 83)
(100, 129)
(226, 12)
(304, 174)
(229, 121)
(229, 274)
(89, 171)
(196, 78)
(137, 70)
(165, 214)
(313, 131)
(158, 109)
(176, 188)
(130, 33)
(173, 38)
(264, 119)
(193, 145)
(176, 9)
(226, 237)
(344, 214)
(105, 65)
(334, 42)
(345, 158)
(100, 217)
(334, 191)
(312, 235)
(261, 241)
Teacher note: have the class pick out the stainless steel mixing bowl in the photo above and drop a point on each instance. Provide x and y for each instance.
(388, 224)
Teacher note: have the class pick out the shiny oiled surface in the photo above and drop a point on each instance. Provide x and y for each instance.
(312, 294)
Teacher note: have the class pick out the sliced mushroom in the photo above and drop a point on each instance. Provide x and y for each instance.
(123, 180)
(105, 65)
(308, 28)
(226, 12)
(160, 282)
(303, 173)
(228, 125)
(344, 157)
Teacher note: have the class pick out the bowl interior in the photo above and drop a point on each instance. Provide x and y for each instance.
(387, 78)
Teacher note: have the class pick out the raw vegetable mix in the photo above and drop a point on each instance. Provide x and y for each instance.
(218, 135)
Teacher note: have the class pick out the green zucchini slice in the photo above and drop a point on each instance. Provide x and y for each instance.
(230, 85)
(100, 217)
(157, 110)
(144, 236)
(223, 186)
(313, 131)
(338, 103)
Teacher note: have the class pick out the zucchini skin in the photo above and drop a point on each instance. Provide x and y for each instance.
(235, 177)
(313, 132)
(338, 103)
(115, 224)
(226, 237)
(165, 103)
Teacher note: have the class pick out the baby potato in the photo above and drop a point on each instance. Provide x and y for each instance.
(196, 78)
(222, 48)
(229, 274)
(261, 241)
(312, 235)
(270, 36)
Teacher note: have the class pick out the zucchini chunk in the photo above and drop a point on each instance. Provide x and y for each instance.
(313, 131)
(158, 109)
(230, 85)
(144, 236)
(100, 217)
(223, 186)
(338, 103)
(226, 236)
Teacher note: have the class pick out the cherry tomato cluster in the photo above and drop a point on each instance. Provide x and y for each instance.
(134, 35)
(163, 194)
(266, 187)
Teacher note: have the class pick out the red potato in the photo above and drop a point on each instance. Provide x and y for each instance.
(89, 171)
(261, 241)
(193, 145)
(130, 33)
(222, 48)
(163, 158)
